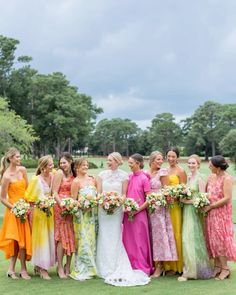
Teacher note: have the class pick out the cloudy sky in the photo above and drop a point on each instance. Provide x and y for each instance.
(135, 58)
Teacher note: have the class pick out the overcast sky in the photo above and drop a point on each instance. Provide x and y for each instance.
(135, 58)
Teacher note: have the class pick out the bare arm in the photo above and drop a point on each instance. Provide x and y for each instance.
(24, 173)
(201, 185)
(124, 187)
(99, 185)
(182, 176)
(56, 184)
(164, 180)
(4, 188)
(75, 188)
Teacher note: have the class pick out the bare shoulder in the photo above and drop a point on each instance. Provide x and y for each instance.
(228, 179)
(23, 170)
(59, 173)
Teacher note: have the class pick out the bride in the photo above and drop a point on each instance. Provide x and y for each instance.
(112, 260)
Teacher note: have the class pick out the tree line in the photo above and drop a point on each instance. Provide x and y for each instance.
(46, 114)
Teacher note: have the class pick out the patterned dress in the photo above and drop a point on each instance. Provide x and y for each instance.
(85, 234)
(219, 227)
(64, 230)
(163, 241)
(43, 244)
(196, 260)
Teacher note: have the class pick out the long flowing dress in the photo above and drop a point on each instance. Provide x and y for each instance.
(176, 220)
(85, 239)
(136, 237)
(219, 229)
(112, 260)
(43, 244)
(64, 230)
(196, 260)
(163, 241)
(13, 231)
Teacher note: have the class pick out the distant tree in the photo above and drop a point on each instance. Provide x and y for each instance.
(164, 132)
(14, 131)
(228, 145)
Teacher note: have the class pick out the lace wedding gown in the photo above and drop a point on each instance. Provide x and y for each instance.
(112, 260)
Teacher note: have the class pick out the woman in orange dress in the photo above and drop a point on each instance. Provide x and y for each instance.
(64, 230)
(15, 237)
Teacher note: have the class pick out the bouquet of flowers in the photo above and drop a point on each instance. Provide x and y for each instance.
(130, 206)
(168, 193)
(87, 200)
(109, 201)
(201, 200)
(45, 204)
(69, 206)
(21, 209)
(155, 200)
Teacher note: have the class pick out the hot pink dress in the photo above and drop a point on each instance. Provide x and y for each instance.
(163, 241)
(219, 228)
(64, 230)
(136, 233)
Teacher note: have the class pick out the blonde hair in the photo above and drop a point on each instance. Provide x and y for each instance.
(117, 157)
(42, 163)
(5, 161)
(196, 157)
(153, 155)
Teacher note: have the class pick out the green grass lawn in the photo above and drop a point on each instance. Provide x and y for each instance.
(164, 285)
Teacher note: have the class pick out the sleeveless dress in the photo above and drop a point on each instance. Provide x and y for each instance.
(196, 261)
(112, 260)
(13, 231)
(176, 220)
(219, 229)
(136, 236)
(85, 240)
(163, 241)
(64, 230)
(43, 244)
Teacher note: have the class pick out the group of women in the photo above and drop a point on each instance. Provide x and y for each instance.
(175, 240)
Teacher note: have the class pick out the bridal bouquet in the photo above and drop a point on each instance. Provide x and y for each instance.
(20, 209)
(168, 193)
(201, 200)
(155, 200)
(87, 200)
(184, 192)
(69, 206)
(109, 201)
(45, 204)
(130, 206)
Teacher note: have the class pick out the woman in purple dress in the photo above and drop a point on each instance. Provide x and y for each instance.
(136, 233)
(163, 241)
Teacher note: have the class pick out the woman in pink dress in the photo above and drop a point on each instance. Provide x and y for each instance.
(64, 231)
(136, 233)
(219, 228)
(163, 241)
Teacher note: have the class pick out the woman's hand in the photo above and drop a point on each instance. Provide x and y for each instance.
(206, 209)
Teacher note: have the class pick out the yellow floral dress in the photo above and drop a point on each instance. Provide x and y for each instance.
(176, 219)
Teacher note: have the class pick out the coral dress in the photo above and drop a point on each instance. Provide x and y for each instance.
(163, 241)
(219, 229)
(13, 231)
(64, 230)
(136, 237)
(176, 219)
(43, 244)
(196, 261)
(85, 233)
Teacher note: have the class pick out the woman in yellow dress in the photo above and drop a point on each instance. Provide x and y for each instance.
(176, 175)
(15, 236)
(43, 244)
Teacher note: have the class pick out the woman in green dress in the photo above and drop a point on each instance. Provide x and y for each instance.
(196, 261)
(85, 224)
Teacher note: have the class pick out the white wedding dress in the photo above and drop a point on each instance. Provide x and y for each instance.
(112, 260)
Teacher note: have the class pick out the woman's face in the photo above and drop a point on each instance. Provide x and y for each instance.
(65, 165)
(213, 168)
(83, 168)
(49, 166)
(111, 163)
(157, 163)
(172, 158)
(193, 165)
(133, 165)
(15, 160)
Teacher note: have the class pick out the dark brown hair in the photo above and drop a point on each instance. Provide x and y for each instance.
(138, 158)
(219, 162)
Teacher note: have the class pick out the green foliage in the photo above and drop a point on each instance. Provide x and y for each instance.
(228, 145)
(164, 132)
(14, 131)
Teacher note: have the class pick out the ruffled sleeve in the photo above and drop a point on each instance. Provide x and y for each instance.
(163, 172)
(34, 190)
(123, 175)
